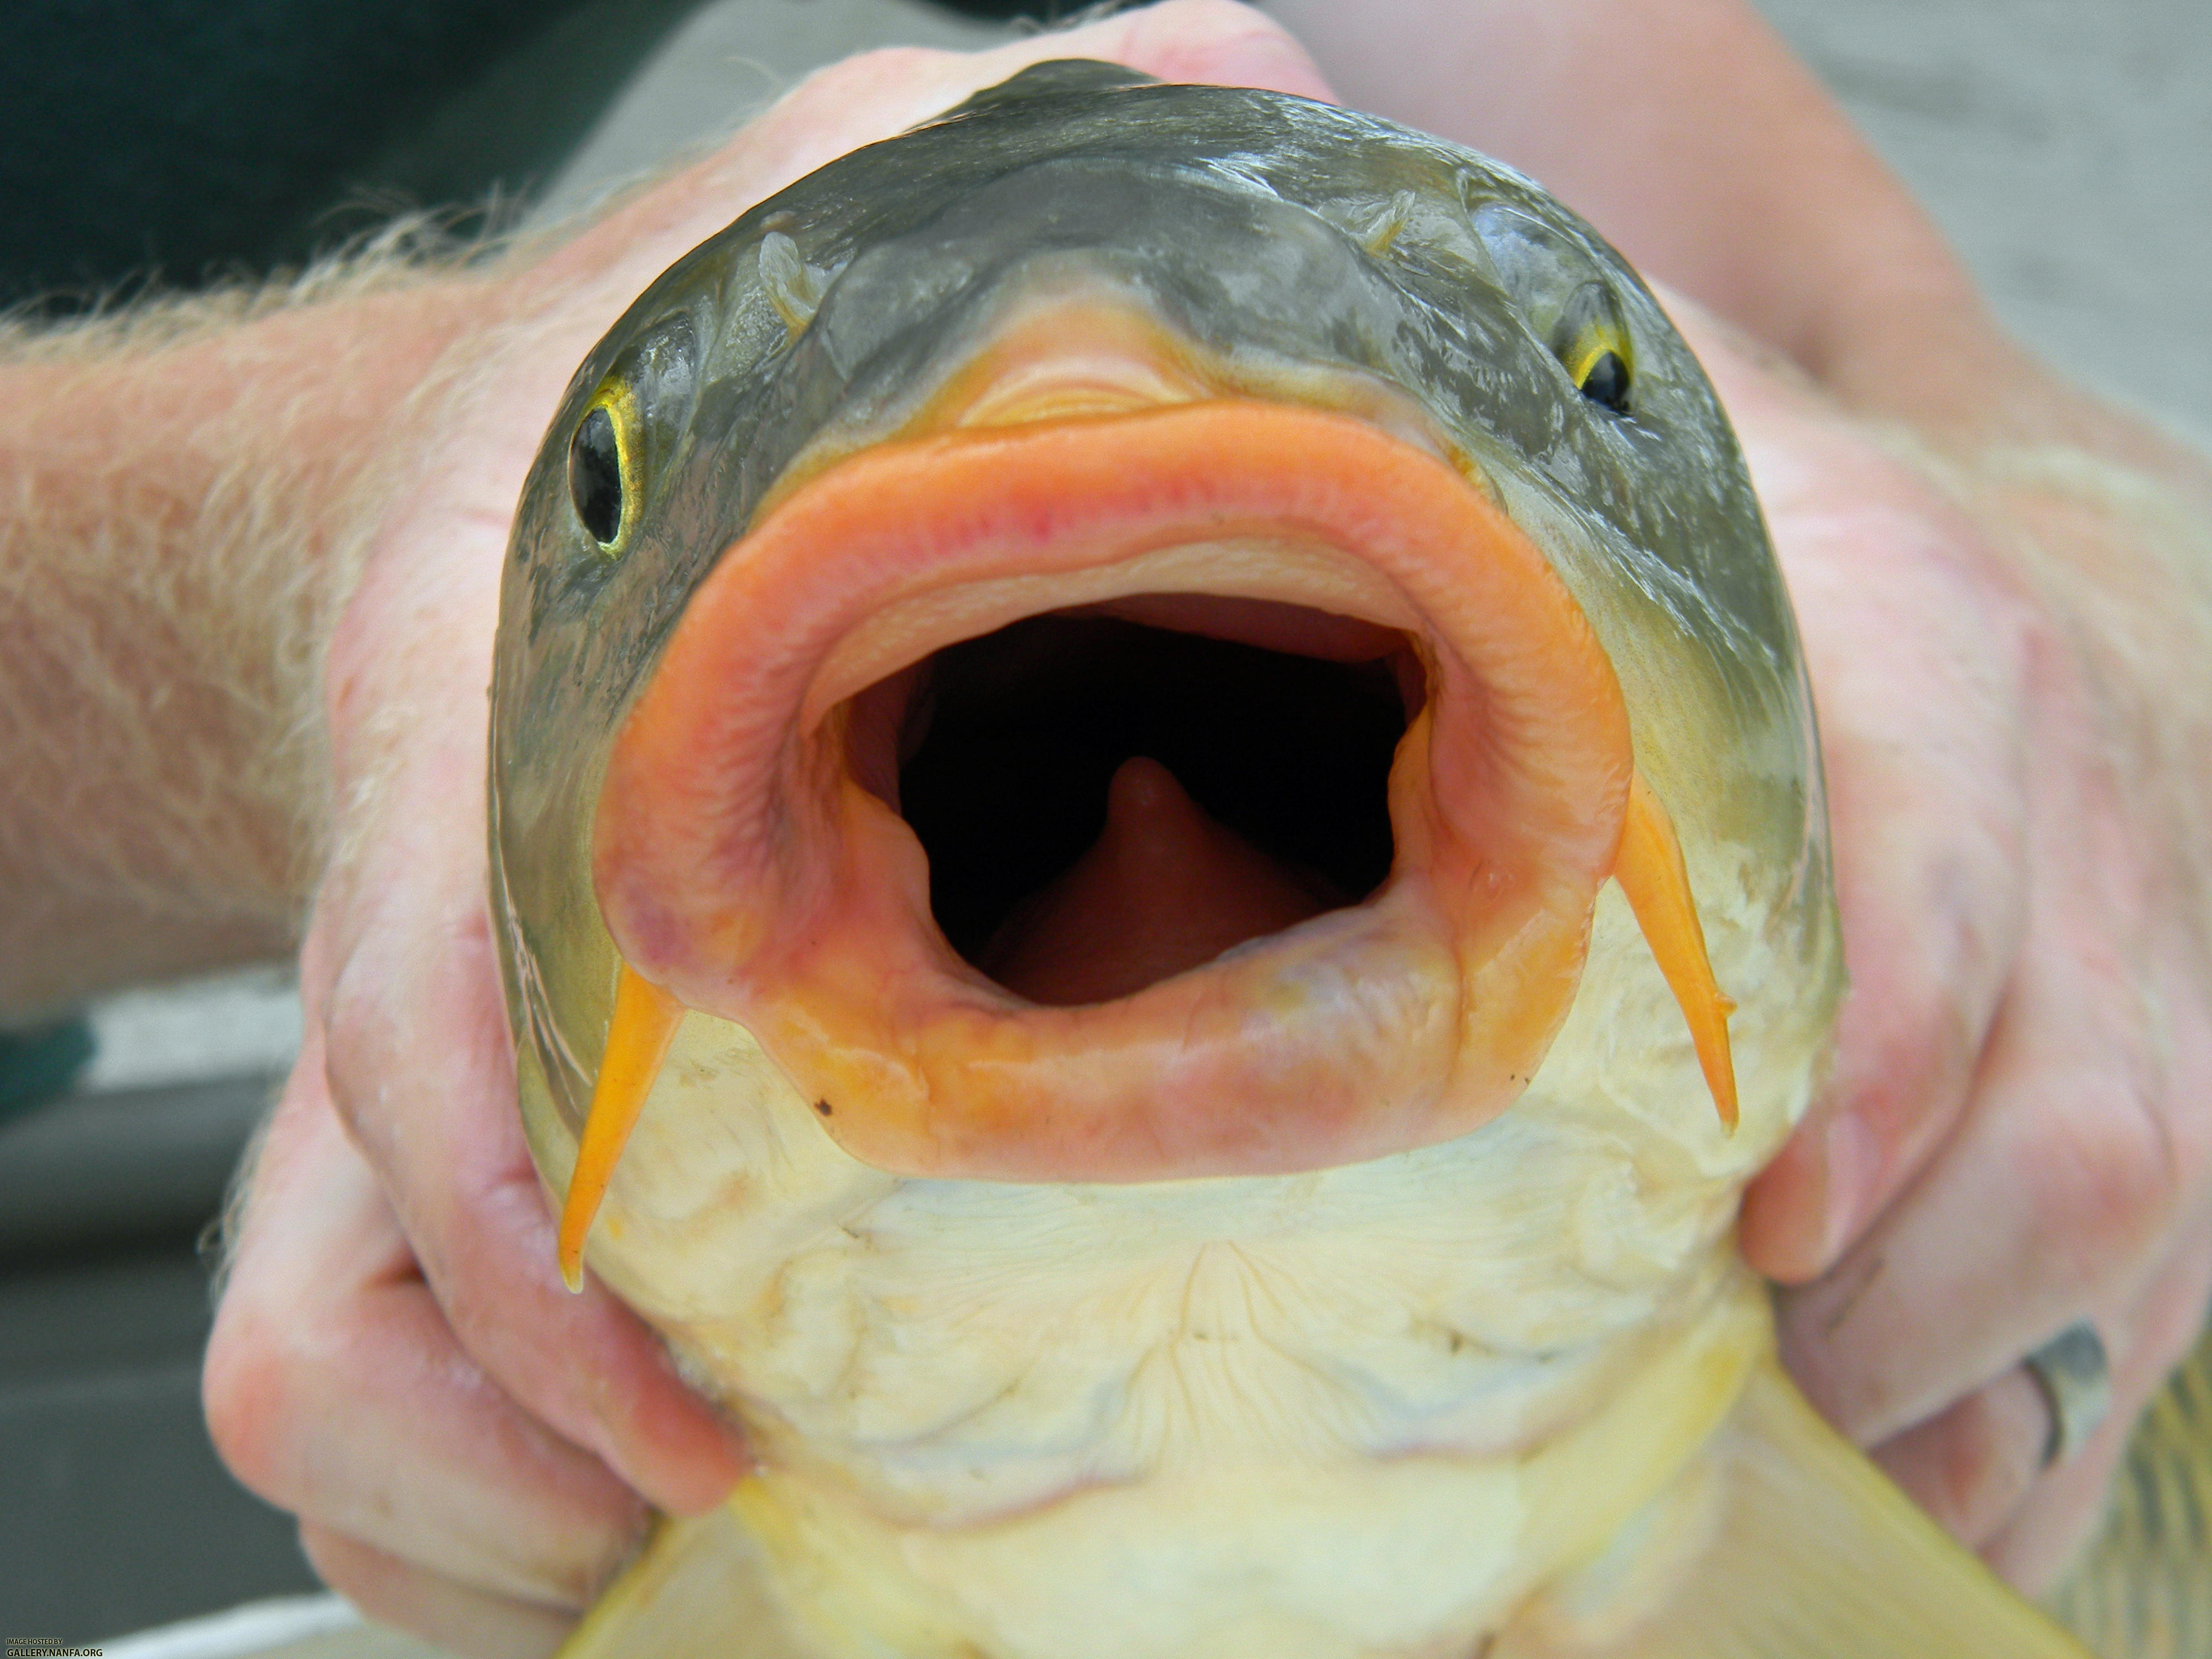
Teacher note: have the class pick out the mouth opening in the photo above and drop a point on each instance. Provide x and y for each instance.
(1105, 802)
(1267, 691)
(1219, 788)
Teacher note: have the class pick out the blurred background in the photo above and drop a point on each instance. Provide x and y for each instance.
(2067, 148)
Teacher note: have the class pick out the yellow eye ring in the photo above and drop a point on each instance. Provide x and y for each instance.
(603, 468)
(1600, 363)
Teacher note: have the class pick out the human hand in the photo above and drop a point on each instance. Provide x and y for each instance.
(1936, 654)
(394, 1261)
(2003, 591)
(2009, 627)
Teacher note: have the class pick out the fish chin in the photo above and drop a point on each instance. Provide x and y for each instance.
(989, 1409)
(751, 857)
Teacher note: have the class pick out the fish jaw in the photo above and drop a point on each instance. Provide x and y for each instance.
(743, 865)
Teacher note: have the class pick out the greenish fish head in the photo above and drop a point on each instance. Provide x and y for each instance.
(1132, 632)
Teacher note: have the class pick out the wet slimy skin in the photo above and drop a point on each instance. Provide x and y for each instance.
(1024, 1212)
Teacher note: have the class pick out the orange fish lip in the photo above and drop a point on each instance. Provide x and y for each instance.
(741, 867)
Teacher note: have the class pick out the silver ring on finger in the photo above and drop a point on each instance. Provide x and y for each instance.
(2076, 1380)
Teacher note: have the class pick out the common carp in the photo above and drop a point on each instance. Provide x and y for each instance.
(1161, 864)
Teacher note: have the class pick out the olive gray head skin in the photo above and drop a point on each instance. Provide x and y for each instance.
(1277, 234)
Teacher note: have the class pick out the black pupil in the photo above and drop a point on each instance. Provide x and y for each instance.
(1607, 382)
(595, 477)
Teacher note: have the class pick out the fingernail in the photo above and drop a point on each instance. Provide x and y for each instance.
(1849, 1164)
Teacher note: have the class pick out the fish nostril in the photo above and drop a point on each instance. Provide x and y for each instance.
(1007, 788)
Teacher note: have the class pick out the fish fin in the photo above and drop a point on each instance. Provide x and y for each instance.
(1650, 872)
(638, 1035)
(1782, 1541)
(761, 1578)
(699, 1590)
(2143, 1587)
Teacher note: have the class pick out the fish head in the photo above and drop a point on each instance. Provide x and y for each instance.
(1128, 635)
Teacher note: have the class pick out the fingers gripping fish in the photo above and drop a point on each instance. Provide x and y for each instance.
(1133, 738)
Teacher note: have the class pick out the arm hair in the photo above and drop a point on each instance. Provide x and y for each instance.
(187, 488)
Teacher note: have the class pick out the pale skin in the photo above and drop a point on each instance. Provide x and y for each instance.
(2010, 667)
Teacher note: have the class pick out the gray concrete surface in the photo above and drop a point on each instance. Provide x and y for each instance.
(117, 1514)
(732, 59)
(2068, 149)
(107, 1169)
(233, 1024)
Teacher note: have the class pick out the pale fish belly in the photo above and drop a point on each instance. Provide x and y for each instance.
(1359, 1411)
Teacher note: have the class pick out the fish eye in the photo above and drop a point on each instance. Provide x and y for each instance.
(1594, 347)
(1566, 301)
(603, 469)
(1604, 379)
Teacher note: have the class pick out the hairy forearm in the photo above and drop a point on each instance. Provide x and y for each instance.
(185, 490)
(187, 496)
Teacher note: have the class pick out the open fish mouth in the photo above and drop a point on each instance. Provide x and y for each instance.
(1113, 777)
(1121, 636)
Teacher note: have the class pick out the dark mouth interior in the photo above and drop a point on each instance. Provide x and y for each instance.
(1009, 741)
